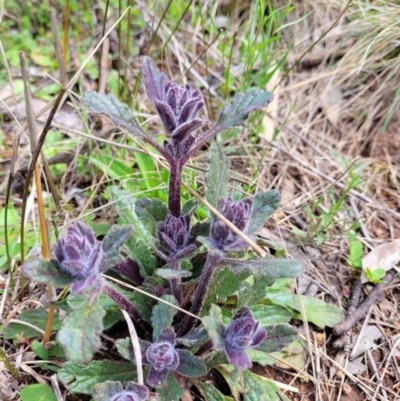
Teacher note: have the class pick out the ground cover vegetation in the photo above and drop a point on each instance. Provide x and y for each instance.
(166, 234)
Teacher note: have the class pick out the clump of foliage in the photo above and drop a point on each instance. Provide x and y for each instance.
(165, 253)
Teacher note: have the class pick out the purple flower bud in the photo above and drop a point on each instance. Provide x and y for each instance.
(242, 332)
(173, 235)
(114, 391)
(162, 358)
(133, 392)
(239, 214)
(177, 105)
(79, 254)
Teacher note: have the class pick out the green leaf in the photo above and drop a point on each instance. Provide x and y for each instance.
(375, 275)
(47, 271)
(190, 206)
(210, 392)
(231, 376)
(144, 304)
(316, 311)
(168, 274)
(209, 243)
(295, 354)
(217, 177)
(81, 378)
(163, 315)
(110, 106)
(260, 357)
(151, 212)
(112, 243)
(197, 336)
(125, 204)
(37, 392)
(237, 110)
(214, 326)
(114, 168)
(171, 391)
(124, 347)
(190, 365)
(142, 254)
(277, 338)
(36, 317)
(270, 267)
(80, 334)
(270, 315)
(258, 388)
(264, 204)
(223, 284)
(39, 350)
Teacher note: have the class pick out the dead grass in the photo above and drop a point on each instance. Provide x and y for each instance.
(336, 113)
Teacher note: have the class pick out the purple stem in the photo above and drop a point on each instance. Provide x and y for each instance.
(213, 261)
(125, 304)
(176, 287)
(175, 182)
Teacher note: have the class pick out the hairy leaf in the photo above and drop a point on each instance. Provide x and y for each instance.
(125, 204)
(168, 274)
(264, 204)
(210, 392)
(163, 315)
(81, 378)
(190, 365)
(259, 388)
(217, 177)
(214, 326)
(270, 267)
(111, 244)
(80, 334)
(197, 336)
(237, 110)
(171, 391)
(150, 212)
(47, 271)
(110, 106)
(143, 255)
(277, 337)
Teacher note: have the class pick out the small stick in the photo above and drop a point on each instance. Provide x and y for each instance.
(362, 310)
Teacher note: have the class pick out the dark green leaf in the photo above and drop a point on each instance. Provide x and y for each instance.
(270, 267)
(142, 254)
(124, 203)
(237, 110)
(47, 271)
(210, 392)
(264, 204)
(259, 388)
(36, 317)
(209, 243)
(81, 378)
(217, 177)
(190, 365)
(163, 315)
(144, 304)
(151, 212)
(168, 274)
(223, 284)
(197, 336)
(80, 334)
(124, 347)
(171, 391)
(189, 206)
(37, 392)
(214, 326)
(110, 106)
(277, 338)
(111, 244)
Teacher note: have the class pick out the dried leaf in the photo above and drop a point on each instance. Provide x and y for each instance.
(385, 256)
(331, 103)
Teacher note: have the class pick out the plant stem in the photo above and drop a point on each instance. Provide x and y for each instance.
(125, 304)
(207, 274)
(175, 182)
(176, 287)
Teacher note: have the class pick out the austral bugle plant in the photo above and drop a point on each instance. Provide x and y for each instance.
(202, 264)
